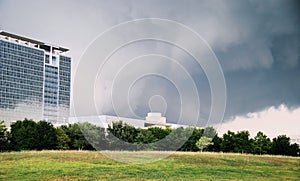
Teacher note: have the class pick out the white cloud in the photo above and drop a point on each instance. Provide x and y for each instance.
(272, 121)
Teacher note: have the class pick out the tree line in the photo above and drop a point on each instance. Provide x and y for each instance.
(30, 135)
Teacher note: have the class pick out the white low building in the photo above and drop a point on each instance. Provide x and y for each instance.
(105, 120)
(152, 120)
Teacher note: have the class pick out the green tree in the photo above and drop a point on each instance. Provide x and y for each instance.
(123, 131)
(261, 144)
(145, 140)
(243, 142)
(190, 144)
(24, 135)
(216, 146)
(144, 136)
(175, 140)
(4, 137)
(121, 136)
(204, 142)
(78, 140)
(160, 133)
(281, 145)
(228, 142)
(238, 143)
(294, 149)
(209, 132)
(62, 139)
(46, 135)
(96, 136)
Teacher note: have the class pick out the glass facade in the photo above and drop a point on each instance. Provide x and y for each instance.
(51, 93)
(64, 86)
(34, 83)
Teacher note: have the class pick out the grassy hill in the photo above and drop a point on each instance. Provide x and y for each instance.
(90, 165)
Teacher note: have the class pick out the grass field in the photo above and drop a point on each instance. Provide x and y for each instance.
(89, 165)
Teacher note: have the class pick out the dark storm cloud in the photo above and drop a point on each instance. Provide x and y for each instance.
(256, 42)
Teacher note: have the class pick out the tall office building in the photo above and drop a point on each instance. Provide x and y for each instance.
(34, 80)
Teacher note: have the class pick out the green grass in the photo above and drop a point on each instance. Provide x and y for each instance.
(89, 165)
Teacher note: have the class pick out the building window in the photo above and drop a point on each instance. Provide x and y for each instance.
(47, 59)
(54, 60)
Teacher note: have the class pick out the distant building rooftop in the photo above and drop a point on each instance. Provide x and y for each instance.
(38, 44)
(152, 120)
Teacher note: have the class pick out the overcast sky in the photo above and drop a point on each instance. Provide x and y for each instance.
(257, 44)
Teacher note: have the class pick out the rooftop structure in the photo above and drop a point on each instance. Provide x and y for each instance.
(31, 42)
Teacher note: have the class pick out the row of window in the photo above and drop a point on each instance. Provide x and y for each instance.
(64, 79)
(50, 102)
(50, 115)
(12, 81)
(21, 64)
(65, 69)
(21, 73)
(17, 113)
(64, 99)
(65, 65)
(51, 96)
(63, 108)
(64, 103)
(50, 71)
(63, 92)
(51, 76)
(9, 64)
(12, 94)
(64, 74)
(34, 75)
(51, 81)
(13, 98)
(13, 57)
(47, 116)
(20, 97)
(6, 53)
(50, 67)
(47, 91)
(18, 47)
(64, 88)
(21, 103)
(64, 83)
(50, 87)
(50, 107)
(65, 60)
(31, 69)
(21, 90)
(21, 85)
(17, 77)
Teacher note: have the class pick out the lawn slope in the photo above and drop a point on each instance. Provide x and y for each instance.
(90, 165)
